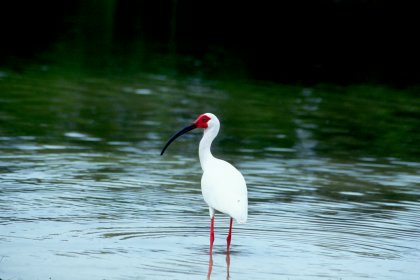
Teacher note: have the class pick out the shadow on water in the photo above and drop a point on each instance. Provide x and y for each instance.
(333, 179)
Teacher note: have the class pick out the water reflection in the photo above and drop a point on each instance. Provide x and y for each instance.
(83, 186)
(210, 269)
(210, 266)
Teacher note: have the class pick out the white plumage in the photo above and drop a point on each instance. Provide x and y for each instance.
(224, 189)
(222, 185)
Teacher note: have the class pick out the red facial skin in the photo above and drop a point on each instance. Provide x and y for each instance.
(202, 121)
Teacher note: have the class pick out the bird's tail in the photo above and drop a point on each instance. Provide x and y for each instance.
(241, 220)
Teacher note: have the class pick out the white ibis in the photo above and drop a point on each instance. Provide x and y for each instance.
(222, 185)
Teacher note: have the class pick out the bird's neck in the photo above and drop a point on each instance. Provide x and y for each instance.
(205, 146)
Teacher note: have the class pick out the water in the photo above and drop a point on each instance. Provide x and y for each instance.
(333, 179)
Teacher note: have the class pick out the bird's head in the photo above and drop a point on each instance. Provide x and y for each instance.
(205, 121)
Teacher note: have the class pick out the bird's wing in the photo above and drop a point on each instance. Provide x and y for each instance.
(224, 189)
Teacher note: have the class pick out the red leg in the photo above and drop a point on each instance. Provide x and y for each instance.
(229, 237)
(211, 234)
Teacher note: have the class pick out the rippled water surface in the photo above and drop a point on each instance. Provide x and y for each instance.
(333, 179)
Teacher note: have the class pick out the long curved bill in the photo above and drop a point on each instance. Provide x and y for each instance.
(179, 133)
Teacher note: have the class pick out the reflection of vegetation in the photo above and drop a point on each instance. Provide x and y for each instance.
(366, 118)
(267, 119)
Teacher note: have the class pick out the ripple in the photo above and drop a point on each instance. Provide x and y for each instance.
(82, 136)
(106, 203)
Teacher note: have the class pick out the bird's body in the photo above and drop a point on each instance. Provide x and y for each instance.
(224, 192)
(222, 185)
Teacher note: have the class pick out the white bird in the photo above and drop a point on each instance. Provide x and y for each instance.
(222, 185)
